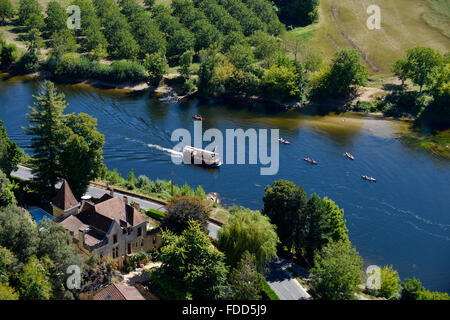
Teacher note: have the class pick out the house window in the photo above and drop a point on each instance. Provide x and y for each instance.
(114, 253)
(142, 243)
(115, 238)
(117, 252)
(139, 231)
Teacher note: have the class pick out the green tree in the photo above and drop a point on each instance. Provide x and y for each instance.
(314, 227)
(390, 282)
(156, 64)
(337, 271)
(422, 66)
(30, 14)
(250, 231)
(186, 63)
(18, 233)
(399, 69)
(192, 268)
(63, 41)
(245, 281)
(8, 54)
(48, 133)
(7, 293)
(99, 52)
(298, 12)
(7, 265)
(33, 281)
(345, 73)
(283, 204)
(411, 289)
(56, 19)
(10, 154)
(6, 194)
(6, 10)
(335, 217)
(57, 252)
(435, 295)
(149, 3)
(182, 209)
(81, 157)
(240, 55)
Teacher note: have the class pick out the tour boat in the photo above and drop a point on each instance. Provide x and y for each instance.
(312, 161)
(197, 117)
(350, 156)
(198, 156)
(369, 178)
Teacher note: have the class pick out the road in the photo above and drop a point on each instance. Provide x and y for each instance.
(278, 278)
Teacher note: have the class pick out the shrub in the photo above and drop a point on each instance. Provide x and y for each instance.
(156, 214)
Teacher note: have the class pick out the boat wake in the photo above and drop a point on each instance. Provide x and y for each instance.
(171, 151)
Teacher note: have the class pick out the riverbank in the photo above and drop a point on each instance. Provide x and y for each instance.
(436, 143)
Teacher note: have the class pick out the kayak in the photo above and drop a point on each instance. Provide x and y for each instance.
(196, 117)
(369, 178)
(350, 156)
(311, 161)
(284, 141)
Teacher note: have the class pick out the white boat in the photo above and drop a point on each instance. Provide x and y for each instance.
(283, 141)
(201, 157)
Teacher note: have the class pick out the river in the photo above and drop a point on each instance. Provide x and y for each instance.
(403, 219)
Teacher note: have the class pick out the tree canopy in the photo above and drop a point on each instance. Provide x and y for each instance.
(337, 271)
(191, 267)
(250, 231)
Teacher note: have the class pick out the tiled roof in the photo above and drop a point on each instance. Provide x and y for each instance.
(119, 292)
(73, 224)
(65, 199)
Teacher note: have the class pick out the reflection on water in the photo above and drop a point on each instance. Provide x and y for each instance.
(401, 220)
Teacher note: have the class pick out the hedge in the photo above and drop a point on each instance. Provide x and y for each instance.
(268, 293)
(156, 214)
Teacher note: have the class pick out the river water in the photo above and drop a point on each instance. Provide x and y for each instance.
(403, 219)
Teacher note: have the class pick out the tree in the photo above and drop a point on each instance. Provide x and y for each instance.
(81, 157)
(337, 271)
(48, 133)
(8, 54)
(298, 12)
(411, 288)
(7, 265)
(283, 204)
(34, 282)
(6, 10)
(340, 80)
(399, 69)
(422, 66)
(98, 53)
(30, 14)
(185, 63)
(390, 282)
(18, 233)
(149, 3)
(57, 252)
(335, 218)
(314, 227)
(6, 195)
(63, 41)
(7, 293)
(156, 64)
(192, 268)
(182, 209)
(10, 154)
(240, 55)
(56, 19)
(248, 230)
(245, 281)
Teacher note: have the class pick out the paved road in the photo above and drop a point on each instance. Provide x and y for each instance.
(283, 283)
(280, 280)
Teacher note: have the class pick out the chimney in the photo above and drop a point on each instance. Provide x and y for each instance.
(137, 206)
(125, 199)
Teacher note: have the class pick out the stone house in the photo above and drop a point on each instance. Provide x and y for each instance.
(111, 227)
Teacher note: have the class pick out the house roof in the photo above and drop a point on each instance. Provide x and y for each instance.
(119, 292)
(74, 225)
(65, 199)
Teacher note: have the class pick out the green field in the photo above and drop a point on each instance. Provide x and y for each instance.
(404, 24)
